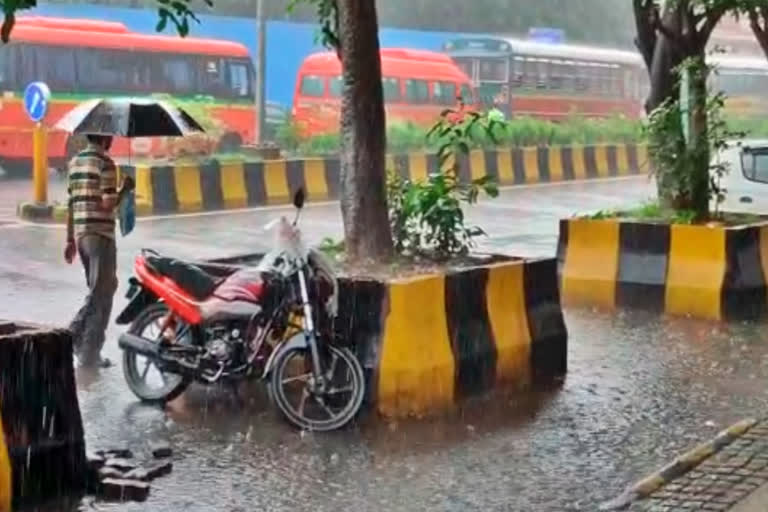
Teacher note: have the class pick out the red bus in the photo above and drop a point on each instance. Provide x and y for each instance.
(418, 86)
(84, 59)
(552, 81)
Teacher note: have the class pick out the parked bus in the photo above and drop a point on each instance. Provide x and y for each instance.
(418, 86)
(83, 59)
(552, 81)
(744, 80)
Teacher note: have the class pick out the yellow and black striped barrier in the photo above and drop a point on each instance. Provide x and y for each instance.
(5, 472)
(498, 325)
(711, 272)
(42, 445)
(216, 185)
(429, 341)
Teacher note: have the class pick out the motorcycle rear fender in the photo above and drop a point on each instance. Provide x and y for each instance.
(138, 301)
(297, 342)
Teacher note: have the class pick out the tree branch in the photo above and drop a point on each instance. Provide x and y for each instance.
(760, 30)
(711, 19)
(646, 13)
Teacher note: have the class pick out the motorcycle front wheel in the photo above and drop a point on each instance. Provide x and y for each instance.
(142, 374)
(291, 387)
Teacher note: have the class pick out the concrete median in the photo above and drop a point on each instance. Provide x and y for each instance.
(42, 448)
(712, 272)
(428, 342)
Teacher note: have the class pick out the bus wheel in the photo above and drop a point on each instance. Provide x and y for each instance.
(230, 143)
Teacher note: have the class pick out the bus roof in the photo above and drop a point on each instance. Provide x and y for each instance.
(394, 62)
(112, 27)
(731, 62)
(81, 33)
(502, 45)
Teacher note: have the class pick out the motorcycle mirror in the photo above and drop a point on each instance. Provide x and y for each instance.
(298, 198)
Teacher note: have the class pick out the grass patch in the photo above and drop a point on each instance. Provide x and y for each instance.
(653, 212)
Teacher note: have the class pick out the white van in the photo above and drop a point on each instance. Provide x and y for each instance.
(746, 182)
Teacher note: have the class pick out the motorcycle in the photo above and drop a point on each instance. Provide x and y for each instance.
(271, 322)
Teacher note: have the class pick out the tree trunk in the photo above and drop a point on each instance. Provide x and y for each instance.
(700, 142)
(363, 135)
(666, 57)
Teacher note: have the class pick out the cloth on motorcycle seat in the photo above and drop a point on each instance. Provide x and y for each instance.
(190, 278)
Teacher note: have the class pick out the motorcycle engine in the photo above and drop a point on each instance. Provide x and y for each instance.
(223, 343)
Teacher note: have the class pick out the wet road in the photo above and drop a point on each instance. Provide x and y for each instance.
(639, 389)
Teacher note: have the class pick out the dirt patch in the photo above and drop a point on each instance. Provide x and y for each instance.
(403, 268)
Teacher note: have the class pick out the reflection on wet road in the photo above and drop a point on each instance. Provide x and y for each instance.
(639, 390)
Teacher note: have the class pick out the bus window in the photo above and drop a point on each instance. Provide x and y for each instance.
(542, 74)
(494, 70)
(417, 91)
(556, 73)
(336, 86)
(179, 74)
(312, 86)
(213, 79)
(100, 71)
(444, 93)
(391, 89)
(466, 95)
(465, 64)
(240, 79)
(518, 72)
(581, 74)
(7, 65)
(55, 66)
(569, 75)
(530, 78)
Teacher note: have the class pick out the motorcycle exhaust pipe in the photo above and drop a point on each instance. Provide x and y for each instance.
(141, 346)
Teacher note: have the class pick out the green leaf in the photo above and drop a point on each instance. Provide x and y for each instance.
(162, 22)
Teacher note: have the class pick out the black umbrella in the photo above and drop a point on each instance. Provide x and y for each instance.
(129, 117)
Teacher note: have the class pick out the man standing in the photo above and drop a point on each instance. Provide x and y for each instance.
(93, 199)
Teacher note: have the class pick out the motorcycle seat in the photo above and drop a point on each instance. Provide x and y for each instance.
(190, 278)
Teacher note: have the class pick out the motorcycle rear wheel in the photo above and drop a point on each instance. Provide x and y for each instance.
(336, 407)
(136, 376)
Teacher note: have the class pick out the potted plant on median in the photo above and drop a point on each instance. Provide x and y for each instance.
(439, 322)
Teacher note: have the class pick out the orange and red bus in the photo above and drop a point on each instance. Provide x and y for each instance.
(418, 86)
(84, 59)
(552, 81)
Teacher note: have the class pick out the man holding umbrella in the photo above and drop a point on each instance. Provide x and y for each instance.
(93, 199)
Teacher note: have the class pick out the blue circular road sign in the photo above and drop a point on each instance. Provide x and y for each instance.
(36, 98)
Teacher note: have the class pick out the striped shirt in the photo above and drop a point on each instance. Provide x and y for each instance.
(92, 177)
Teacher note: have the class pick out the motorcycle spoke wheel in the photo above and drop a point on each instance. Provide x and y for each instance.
(144, 377)
(312, 409)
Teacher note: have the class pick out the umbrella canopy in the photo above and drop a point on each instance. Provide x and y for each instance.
(129, 117)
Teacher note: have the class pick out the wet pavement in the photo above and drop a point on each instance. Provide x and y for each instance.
(640, 389)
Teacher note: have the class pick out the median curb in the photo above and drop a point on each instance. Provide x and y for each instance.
(217, 185)
(680, 466)
(190, 187)
(710, 272)
(430, 341)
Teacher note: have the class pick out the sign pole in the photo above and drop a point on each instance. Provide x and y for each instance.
(40, 163)
(261, 55)
(36, 98)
